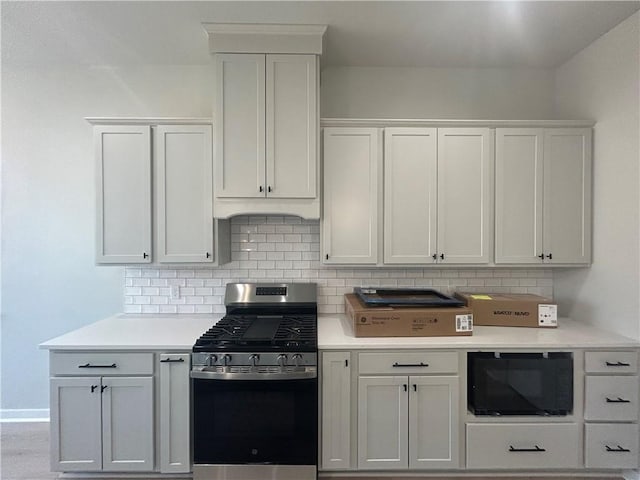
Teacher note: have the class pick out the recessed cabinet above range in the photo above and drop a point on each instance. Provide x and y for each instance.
(266, 119)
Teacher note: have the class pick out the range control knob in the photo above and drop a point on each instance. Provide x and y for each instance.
(211, 360)
(282, 360)
(254, 358)
(226, 359)
(297, 359)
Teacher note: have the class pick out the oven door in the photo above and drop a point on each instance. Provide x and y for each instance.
(259, 422)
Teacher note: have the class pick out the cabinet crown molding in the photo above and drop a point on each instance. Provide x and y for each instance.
(264, 38)
(148, 121)
(419, 122)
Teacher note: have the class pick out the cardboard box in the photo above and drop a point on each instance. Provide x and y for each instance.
(511, 309)
(406, 321)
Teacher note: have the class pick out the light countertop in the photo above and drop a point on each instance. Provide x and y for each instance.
(179, 332)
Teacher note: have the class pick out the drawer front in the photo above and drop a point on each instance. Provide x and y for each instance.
(408, 363)
(523, 445)
(611, 362)
(611, 445)
(101, 363)
(611, 398)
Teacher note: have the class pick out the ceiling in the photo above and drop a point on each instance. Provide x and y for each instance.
(536, 34)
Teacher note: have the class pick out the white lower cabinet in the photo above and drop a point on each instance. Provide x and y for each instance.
(611, 445)
(175, 438)
(523, 446)
(336, 411)
(102, 424)
(407, 422)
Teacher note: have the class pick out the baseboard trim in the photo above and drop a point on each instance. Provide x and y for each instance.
(24, 414)
(631, 475)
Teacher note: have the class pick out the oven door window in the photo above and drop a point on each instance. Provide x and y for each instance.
(255, 421)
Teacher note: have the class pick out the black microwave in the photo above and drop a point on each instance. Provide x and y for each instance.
(520, 383)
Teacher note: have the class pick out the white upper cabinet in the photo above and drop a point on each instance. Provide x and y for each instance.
(351, 200)
(465, 166)
(266, 158)
(543, 196)
(123, 193)
(410, 195)
(437, 195)
(184, 199)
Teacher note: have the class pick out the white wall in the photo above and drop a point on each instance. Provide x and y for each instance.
(49, 282)
(494, 93)
(602, 82)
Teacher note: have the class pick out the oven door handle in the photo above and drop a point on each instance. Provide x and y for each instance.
(254, 375)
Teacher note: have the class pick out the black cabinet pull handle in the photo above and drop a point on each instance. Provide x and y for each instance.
(617, 364)
(326, 256)
(145, 255)
(550, 256)
(442, 256)
(260, 188)
(535, 449)
(93, 388)
(103, 388)
(617, 400)
(346, 363)
(269, 188)
(435, 256)
(400, 365)
(617, 449)
(88, 365)
(172, 360)
(405, 387)
(415, 387)
(541, 256)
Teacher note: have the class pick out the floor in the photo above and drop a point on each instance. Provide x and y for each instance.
(25, 456)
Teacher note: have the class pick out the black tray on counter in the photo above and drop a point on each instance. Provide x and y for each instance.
(405, 297)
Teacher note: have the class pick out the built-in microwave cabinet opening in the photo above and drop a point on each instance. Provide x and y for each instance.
(520, 384)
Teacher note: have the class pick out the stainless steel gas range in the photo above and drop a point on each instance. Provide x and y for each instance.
(254, 386)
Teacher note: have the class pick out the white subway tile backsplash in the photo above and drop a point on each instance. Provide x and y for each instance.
(281, 249)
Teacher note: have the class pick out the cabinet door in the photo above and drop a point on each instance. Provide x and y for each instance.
(567, 195)
(352, 162)
(123, 190)
(75, 424)
(410, 195)
(464, 194)
(127, 423)
(336, 410)
(433, 429)
(519, 195)
(174, 413)
(240, 125)
(382, 423)
(184, 193)
(292, 126)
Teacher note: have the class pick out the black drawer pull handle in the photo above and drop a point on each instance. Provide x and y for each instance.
(103, 388)
(93, 388)
(535, 449)
(402, 365)
(88, 365)
(617, 449)
(617, 400)
(617, 364)
(172, 360)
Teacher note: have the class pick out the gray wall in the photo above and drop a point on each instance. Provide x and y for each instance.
(602, 82)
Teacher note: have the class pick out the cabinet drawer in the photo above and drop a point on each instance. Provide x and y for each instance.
(523, 445)
(611, 446)
(611, 398)
(101, 363)
(611, 362)
(408, 363)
